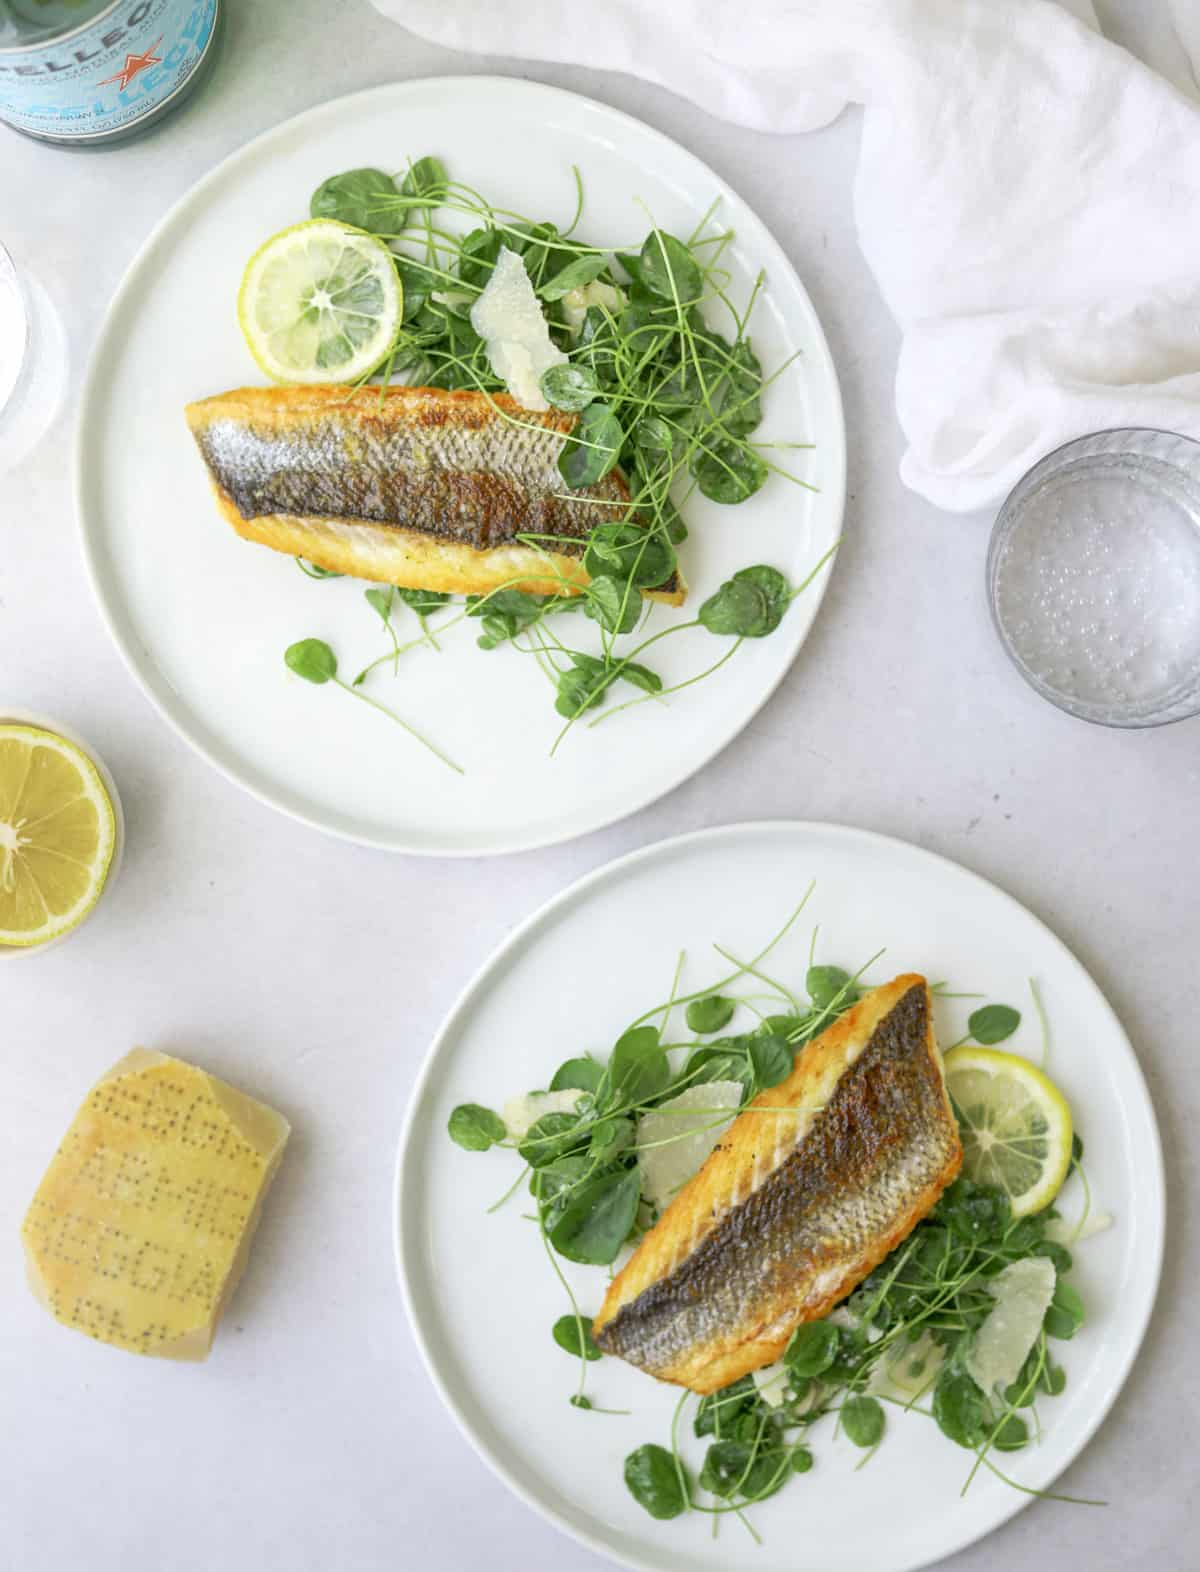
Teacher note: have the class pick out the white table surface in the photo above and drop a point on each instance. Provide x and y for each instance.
(313, 973)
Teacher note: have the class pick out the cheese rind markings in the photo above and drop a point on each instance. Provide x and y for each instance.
(141, 1225)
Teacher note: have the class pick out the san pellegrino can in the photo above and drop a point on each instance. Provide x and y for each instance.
(87, 73)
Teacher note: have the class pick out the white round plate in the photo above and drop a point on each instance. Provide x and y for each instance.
(482, 1297)
(203, 618)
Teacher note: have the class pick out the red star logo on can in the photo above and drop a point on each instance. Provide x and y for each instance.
(134, 65)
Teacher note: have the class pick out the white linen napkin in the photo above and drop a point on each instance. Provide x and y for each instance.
(1028, 194)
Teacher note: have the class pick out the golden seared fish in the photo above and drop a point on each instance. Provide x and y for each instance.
(794, 1207)
(422, 488)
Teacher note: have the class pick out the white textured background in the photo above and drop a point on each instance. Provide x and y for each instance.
(313, 973)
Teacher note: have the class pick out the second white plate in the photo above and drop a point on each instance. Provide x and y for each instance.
(203, 619)
(482, 1296)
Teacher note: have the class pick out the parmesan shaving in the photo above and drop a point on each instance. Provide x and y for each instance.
(509, 320)
(1022, 1291)
(675, 1138)
(522, 1113)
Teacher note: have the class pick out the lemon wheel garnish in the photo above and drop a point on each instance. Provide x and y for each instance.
(1015, 1124)
(320, 302)
(57, 834)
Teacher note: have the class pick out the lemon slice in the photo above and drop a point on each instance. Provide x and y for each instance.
(320, 302)
(1015, 1125)
(57, 834)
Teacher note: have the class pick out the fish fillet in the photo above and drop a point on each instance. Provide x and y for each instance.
(815, 1182)
(424, 488)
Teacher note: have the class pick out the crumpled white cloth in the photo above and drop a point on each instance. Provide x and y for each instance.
(1028, 194)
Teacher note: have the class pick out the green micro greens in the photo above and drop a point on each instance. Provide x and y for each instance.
(655, 388)
(904, 1337)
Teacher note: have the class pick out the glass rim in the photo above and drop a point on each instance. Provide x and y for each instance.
(1182, 701)
(10, 281)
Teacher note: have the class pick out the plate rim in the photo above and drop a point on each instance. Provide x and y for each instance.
(187, 727)
(403, 1242)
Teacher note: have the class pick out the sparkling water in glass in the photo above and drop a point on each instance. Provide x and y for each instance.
(33, 363)
(1094, 577)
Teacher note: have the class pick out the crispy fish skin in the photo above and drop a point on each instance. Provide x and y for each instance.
(793, 1209)
(425, 488)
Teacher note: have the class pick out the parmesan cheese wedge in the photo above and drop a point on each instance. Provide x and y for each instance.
(142, 1223)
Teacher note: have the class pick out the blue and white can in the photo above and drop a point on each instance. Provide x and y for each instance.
(92, 81)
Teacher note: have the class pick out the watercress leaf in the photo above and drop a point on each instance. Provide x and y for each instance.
(574, 276)
(741, 411)
(785, 1026)
(475, 1128)
(959, 1407)
(549, 1138)
(421, 601)
(613, 603)
(668, 269)
(504, 614)
(553, 1187)
(311, 659)
(813, 1348)
(426, 178)
(802, 1460)
(631, 264)
(589, 665)
(1066, 1313)
(720, 1062)
(363, 198)
(749, 605)
(571, 387)
(652, 1479)
(775, 588)
(677, 530)
(1056, 1253)
(725, 1406)
(506, 603)
(1012, 1434)
(728, 471)
(597, 1219)
(738, 609)
(653, 434)
(591, 449)
(771, 1060)
(824, 984)
(416, 284)
(1022, 1393)
(863, 1421)
(974, 1213)
(708, 1015)
(566, 1334)
(539, 246)
(579, 690)
(726, 1464)
(639, 1068)
(1054, 1379)
(993, 1023)
(629, 552)
(584, 1074)
(611, 1137)
(642, 319)
(381, 600)
(477, 254)
(641, 677)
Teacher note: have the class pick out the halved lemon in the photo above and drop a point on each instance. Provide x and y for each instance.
(57, 835)
(1015, 1124)
(320, 302)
